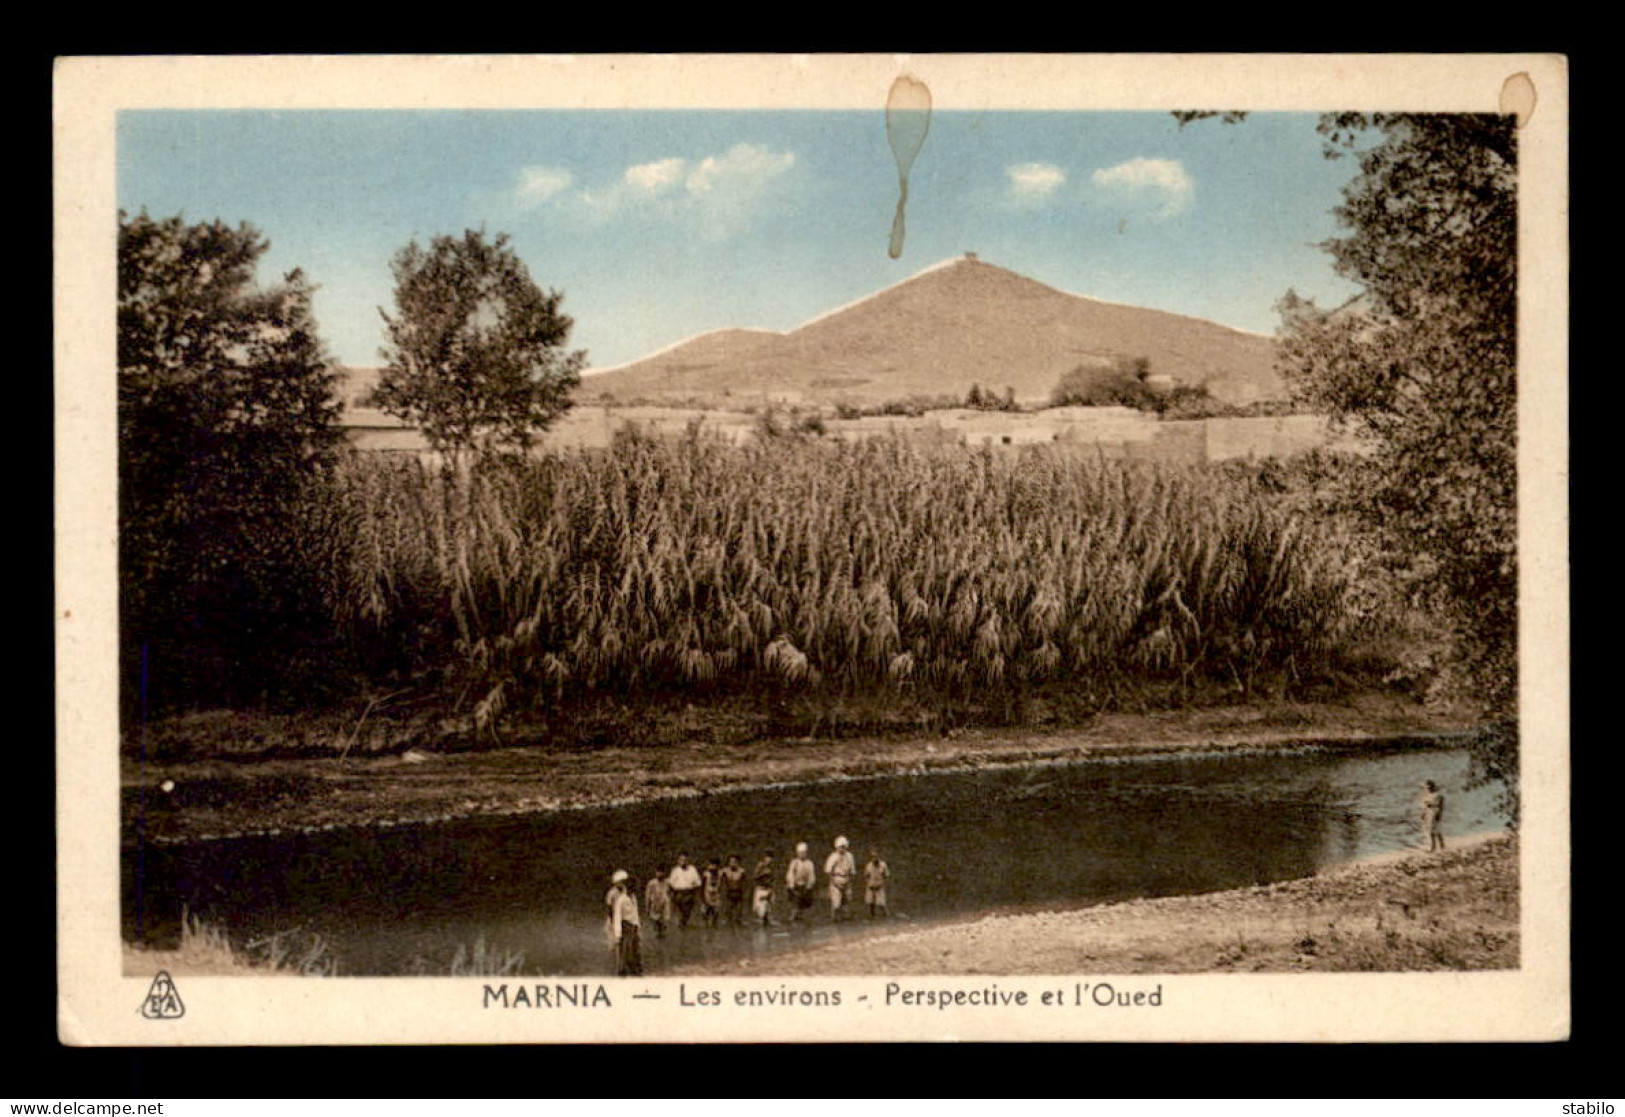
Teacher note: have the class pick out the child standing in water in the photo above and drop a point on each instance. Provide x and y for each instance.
(762, 898)
(733, 891)
(710, 892)
(875, 875)
(657, 901)
(1433, 815)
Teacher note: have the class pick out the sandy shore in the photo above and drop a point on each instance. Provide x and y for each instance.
(1411, 910)
(199, 799)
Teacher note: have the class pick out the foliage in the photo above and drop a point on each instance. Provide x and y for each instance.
(1191, 401)
(1187, 116)
(911, 408)
(1122, 383)
(226, 412)
(485, 960)
(989, 400)
(476, 355)
(795, 564)
(770, 424)
(1423, 362)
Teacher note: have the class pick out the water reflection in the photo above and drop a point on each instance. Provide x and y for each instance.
(402, 901)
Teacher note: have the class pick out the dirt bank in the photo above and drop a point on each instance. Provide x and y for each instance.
(189, 799)
(1414, 911)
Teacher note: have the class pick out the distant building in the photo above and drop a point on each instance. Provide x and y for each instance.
(363, 423)
(356, 385)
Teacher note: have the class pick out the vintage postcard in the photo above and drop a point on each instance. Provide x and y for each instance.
(797, 547)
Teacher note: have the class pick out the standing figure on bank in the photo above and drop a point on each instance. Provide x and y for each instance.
(685, 889)
(657, 902)
(840, 868)
(710, 892)
(1433, 815)
(875, 875)
(762, 897)
(623, 926)
(733, 891)
(799, 878)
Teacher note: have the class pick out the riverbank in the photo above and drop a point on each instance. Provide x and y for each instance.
(193, 799)
(205, 950)
(1456, 910)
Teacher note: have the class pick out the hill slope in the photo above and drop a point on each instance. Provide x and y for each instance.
(958, 323)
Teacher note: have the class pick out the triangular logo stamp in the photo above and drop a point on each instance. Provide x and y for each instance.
(163, 1002)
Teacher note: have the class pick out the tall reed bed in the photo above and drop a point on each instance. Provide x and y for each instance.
(661, 565)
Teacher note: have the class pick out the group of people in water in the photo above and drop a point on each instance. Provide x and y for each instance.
(717, 894)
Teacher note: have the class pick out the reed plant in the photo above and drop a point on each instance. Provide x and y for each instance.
(692, 565)
(485, 960)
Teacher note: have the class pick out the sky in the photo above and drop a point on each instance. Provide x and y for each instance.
(657, 226)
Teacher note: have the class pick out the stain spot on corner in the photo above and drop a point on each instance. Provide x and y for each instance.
(1518, 97)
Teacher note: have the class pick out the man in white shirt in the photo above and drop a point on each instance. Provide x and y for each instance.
(839, 868)
(685, 888)
(799, 878)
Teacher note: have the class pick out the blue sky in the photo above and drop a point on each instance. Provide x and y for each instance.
(660, 225)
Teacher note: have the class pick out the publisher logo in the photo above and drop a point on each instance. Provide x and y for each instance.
(162, 1002)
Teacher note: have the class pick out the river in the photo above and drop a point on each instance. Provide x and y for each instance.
(404, 900)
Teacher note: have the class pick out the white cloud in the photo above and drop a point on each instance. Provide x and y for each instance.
(742, 168)
(538, 184)
(1034, 182)
(1159, 185)
(716, 195)
(653, 178)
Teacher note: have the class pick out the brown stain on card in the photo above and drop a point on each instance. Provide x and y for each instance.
(908, 119)
(1518, 97)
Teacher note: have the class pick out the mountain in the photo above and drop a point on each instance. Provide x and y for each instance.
(955, 324)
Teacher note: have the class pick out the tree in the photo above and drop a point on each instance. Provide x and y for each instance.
(226, 413)
(1119, 384)
(476, 355)
(1423, 363)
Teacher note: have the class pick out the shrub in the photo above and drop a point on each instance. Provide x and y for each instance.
(1120, 384)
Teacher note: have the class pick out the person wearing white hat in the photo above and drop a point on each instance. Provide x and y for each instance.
(800, 878)
(623, 926)
(840, 867)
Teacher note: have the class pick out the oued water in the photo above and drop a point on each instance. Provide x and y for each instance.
(402, 900)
